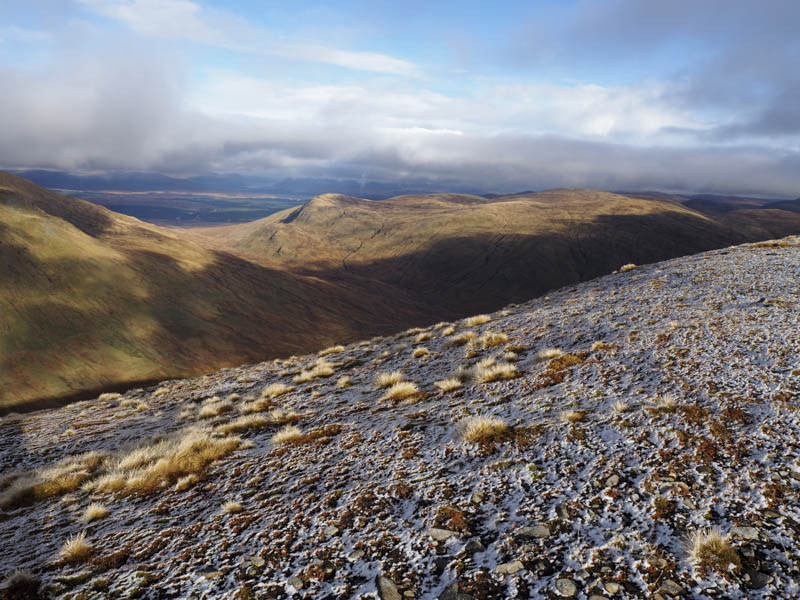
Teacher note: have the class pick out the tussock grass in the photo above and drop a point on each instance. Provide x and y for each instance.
(482, 429)
(490, 339)
(280, 416)
(242, 424)
(232, 507)
(448, 385)
(148, 468)
(20, 585)
(627, 267)
(548, 354)
(321, 368)
(76, 549)
(400, 391)
(67, 475)
(573, 416)
(463, 338)
(425, 335)
(710, 549)
(214, 407)
(109, 397)
(620, 406)
(477, 320)
(94, 511)
(510, 356)
(441, 325)
(344, 382)
(385, 380)
(448, 330)
(420, 352)
(255, 406)
(332, 350)
(287, 435)
(185, 482)
(496, 372)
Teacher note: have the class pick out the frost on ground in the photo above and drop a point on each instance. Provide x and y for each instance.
(664, 411)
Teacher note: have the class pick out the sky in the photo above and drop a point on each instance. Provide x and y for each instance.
(685, 95)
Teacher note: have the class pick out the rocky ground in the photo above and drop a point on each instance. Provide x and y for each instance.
(671, 408)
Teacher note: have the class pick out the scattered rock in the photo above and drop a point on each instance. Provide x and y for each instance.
(295, 582)
(473, 546)
(566, 587)
(668, 586)
(509, 568)
(746, 533)
(612, 481)
(440, 535)
(611, 587)
(534, 532)
(387, 590)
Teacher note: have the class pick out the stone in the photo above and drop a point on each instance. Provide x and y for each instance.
(440, 535)
(612, 481)
(355, 555)
(746, 533)
(534, 532)
(669, 586)
(257, 561)
(509, 568)
(597, 597)
(566, 587)
(473, 546)
(562, 512)
(477, 497)
(452, 593)
(295, 582)
(612, 587)
(387, 590)
(330, 531)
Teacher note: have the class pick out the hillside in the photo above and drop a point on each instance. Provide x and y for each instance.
(92, 300)
(469, 254)
(635, 436)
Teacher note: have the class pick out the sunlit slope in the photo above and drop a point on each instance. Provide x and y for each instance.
(90, 299)
(473, 254)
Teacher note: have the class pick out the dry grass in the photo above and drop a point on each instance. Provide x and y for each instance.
(280, 416)
(627, 267)
(184, 483)
(256, 406)
(321, 368)
(400, 391)
(332, 350)
(449, 330)
(344, 382)
(710, 549)
(463, 338)
(665, 404)
(621, 406)
(482, 429)
(65, 476)
(449, 385)
(215, 407)
(242, 424)
(287, 435)
(385, 380)
(20, 585)
(420, 352)
(548, 354)
(477, 320)
(108, 397)
(76, 549)
(276, 389)
(573, 416)
(491, 339)
(232, 507)
(425, 335)
(94, 511)
(496, 372)
(159, 465)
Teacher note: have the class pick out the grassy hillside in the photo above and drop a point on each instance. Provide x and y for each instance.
(91, 299)
(631, 438)
(468, 254)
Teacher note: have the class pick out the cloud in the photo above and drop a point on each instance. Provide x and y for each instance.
(187, 20)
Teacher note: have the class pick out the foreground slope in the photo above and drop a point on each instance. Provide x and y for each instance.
(468, 254)
(90, 299)
(670, 410)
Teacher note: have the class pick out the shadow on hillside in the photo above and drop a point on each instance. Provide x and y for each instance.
(479, 273)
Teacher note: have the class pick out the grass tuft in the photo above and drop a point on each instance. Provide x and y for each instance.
(242, 424)
(287, 435)
(483, 429)
(496, 372)
(76, 549)
(385, 380)
(276, 389)
(477, 320)
(400, 391)
(232, 507)
(710, 549)
(94, 511)
(332, 350)
(420, 352)
(548, 354)
(448, 385)
(321, 368)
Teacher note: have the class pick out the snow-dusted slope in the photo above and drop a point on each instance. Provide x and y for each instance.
(674, 409)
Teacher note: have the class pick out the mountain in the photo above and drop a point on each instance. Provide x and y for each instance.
(93, 300)
(470, 254)
(634, 436)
